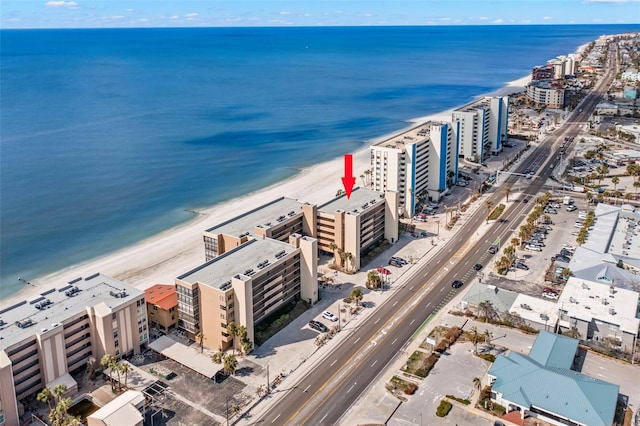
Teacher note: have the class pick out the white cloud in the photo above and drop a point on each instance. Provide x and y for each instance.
(143, 20)
(174, 17)
(129, 10)
(61, 3)
(498, 21)
(117, 17)
(484, 18)
(547, 18)
(12, 20)
(445, 19)
(191, 15)
(285, 13)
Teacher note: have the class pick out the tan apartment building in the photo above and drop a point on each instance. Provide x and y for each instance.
(245, 285)
(277, 219)
(357, 223)
(162, 307)
(352, 224)
(59, 331)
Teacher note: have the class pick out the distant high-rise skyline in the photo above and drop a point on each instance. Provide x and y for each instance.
(217, 13)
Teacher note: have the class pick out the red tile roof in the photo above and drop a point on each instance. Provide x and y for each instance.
(163, 295)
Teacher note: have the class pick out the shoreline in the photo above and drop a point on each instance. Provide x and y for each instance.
(160, 258)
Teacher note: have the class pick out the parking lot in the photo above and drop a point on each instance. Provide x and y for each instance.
(560, 232)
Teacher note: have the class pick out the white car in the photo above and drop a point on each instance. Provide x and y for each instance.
(568, 247)
(571, 208)
(328, 315)
(552, 296)
(532, 248)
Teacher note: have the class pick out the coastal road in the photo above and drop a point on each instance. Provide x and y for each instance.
(335, 383)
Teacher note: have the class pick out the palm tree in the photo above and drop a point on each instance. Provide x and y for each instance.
(230, 364)
(515, 242)
(506, 191)
(333, 247)
(488, 204)
(125, 369)
(486, 310)
(636, 185)
(232, 329)
(628, 196)
(46, 397)
(260, 391)
(108, 361)
(615, 180)
(217, 357)
(363, 182)
(486, 336)
(474, 337)
(348, 258)
(200, 340)
(367, 173)
(241, 332)
(246, 345)
(373, 279)
(356, 295)
(477, 383)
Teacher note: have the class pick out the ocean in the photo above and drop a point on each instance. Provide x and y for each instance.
(110, 136)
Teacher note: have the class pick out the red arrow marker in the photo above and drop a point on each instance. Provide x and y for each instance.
(348, 180)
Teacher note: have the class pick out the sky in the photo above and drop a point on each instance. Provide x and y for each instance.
(250, 13)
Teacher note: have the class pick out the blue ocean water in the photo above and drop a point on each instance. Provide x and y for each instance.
(110, 136)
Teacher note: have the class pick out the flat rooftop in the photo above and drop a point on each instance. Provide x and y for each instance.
(266, 215)
(589, 300)
(477, 104)
(415, 134)
(243, 260)
(535, 309)
(361, 200)
(52, 307)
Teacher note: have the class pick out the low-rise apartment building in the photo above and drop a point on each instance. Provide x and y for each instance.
(600, 312)
(162, 307)
(481, 127)
(245, 285)
(59, 331)
(421, 162)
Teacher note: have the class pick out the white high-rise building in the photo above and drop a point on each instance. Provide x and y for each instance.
(419, 163)
(481, 127)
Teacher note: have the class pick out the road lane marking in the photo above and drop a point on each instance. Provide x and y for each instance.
(306, 389)
(395, 303)
(442, 289)
(374, 362)
(347, 392)
(394, 341)
(334, 362)
(322, 419)
(356, 341)
(274, 420)
(411, 288)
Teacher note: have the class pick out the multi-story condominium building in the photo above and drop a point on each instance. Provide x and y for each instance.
(357, 223)
(419, 162)
(60, 331)
(546, 93)
(544, 72)
(284, 217)
(162, 306)
(277, 220)
(481, 127)
(245, 285)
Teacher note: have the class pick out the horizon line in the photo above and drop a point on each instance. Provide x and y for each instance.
(325, 26)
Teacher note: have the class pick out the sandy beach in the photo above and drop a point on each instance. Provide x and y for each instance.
(163, 257)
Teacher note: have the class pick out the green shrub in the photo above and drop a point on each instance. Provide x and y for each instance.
(489, 357)
(444, 408)
(460, 400)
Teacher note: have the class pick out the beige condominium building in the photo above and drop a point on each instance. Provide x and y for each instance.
(277, 220)
(546, 93)
(357, 223)
(45, 339)
(244, 285)
(421, 162)
(481, 127)
(352, 224)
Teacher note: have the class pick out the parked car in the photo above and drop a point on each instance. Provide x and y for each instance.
(568, 246)
(531, 247)
(564, 259)
(550, 296)
(523, 266)
(395, 263)
(549, 290)
(457, 284)
(318, 326)
(329, 316)
(565, 252)
(493, 249)
(399, 260)
(571, 208)
(477, 266)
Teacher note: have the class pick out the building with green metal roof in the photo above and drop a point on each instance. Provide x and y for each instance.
(543, 385)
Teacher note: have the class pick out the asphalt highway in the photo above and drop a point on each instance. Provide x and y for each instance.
(328, 390)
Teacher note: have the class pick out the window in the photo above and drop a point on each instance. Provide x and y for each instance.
(139, 329)
(223, 325)
(155, 307)
(113, 316)
(116, 343)
(115, 333)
